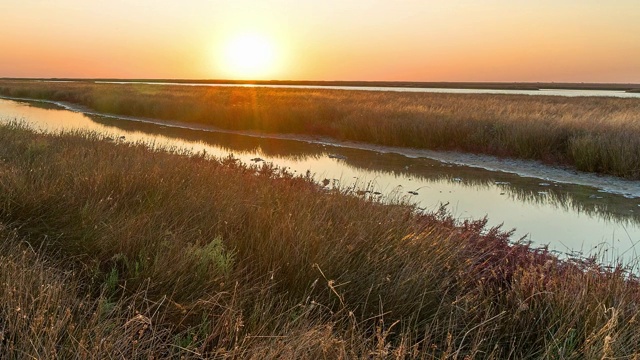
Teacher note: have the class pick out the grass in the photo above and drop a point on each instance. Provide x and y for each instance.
(525, 190)
(112, 250)
(406, 84)
(591, 134)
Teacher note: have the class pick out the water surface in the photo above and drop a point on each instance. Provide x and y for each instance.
(568, 217)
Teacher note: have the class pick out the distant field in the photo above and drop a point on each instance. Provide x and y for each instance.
(592, 134)
(111, 249)
(408, 84)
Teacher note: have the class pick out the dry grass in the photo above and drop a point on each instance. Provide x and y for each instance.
(593, 134)
(114, 250)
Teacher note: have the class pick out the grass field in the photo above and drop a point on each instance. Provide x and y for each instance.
(592, 134)
(116, 250)
(629, 87)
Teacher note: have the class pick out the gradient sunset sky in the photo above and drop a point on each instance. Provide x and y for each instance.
(404, 40)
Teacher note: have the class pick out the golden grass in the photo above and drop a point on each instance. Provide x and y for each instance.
(593, 134)
(115, 250)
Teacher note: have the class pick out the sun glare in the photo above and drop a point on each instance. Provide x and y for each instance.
(249, 56)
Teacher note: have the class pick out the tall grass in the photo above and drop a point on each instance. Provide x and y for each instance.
(593, 134)
(116, 250)
(524, 190)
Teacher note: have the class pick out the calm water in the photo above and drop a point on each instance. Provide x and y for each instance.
(566, 217)
(547, 92)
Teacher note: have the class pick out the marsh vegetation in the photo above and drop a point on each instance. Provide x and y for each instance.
(113, 249)
(592, 134)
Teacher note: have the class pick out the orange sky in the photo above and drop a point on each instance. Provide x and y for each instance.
(409, 40)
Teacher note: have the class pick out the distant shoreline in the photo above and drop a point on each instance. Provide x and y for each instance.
(632, 88)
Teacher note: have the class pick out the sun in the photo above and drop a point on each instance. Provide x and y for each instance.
(249, 56)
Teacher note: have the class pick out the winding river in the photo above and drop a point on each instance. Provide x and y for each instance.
(574, 214)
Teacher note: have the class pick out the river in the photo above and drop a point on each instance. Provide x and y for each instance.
(572, 213)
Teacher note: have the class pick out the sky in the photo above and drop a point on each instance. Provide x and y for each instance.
(401, 40)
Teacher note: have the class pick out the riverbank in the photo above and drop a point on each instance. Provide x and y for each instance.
(598, 135)
(139, 252)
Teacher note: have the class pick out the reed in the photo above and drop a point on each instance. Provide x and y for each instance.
(592, 134)
(118, 250)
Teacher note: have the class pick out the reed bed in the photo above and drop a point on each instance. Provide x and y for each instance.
(113, 250)
(591, 134)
